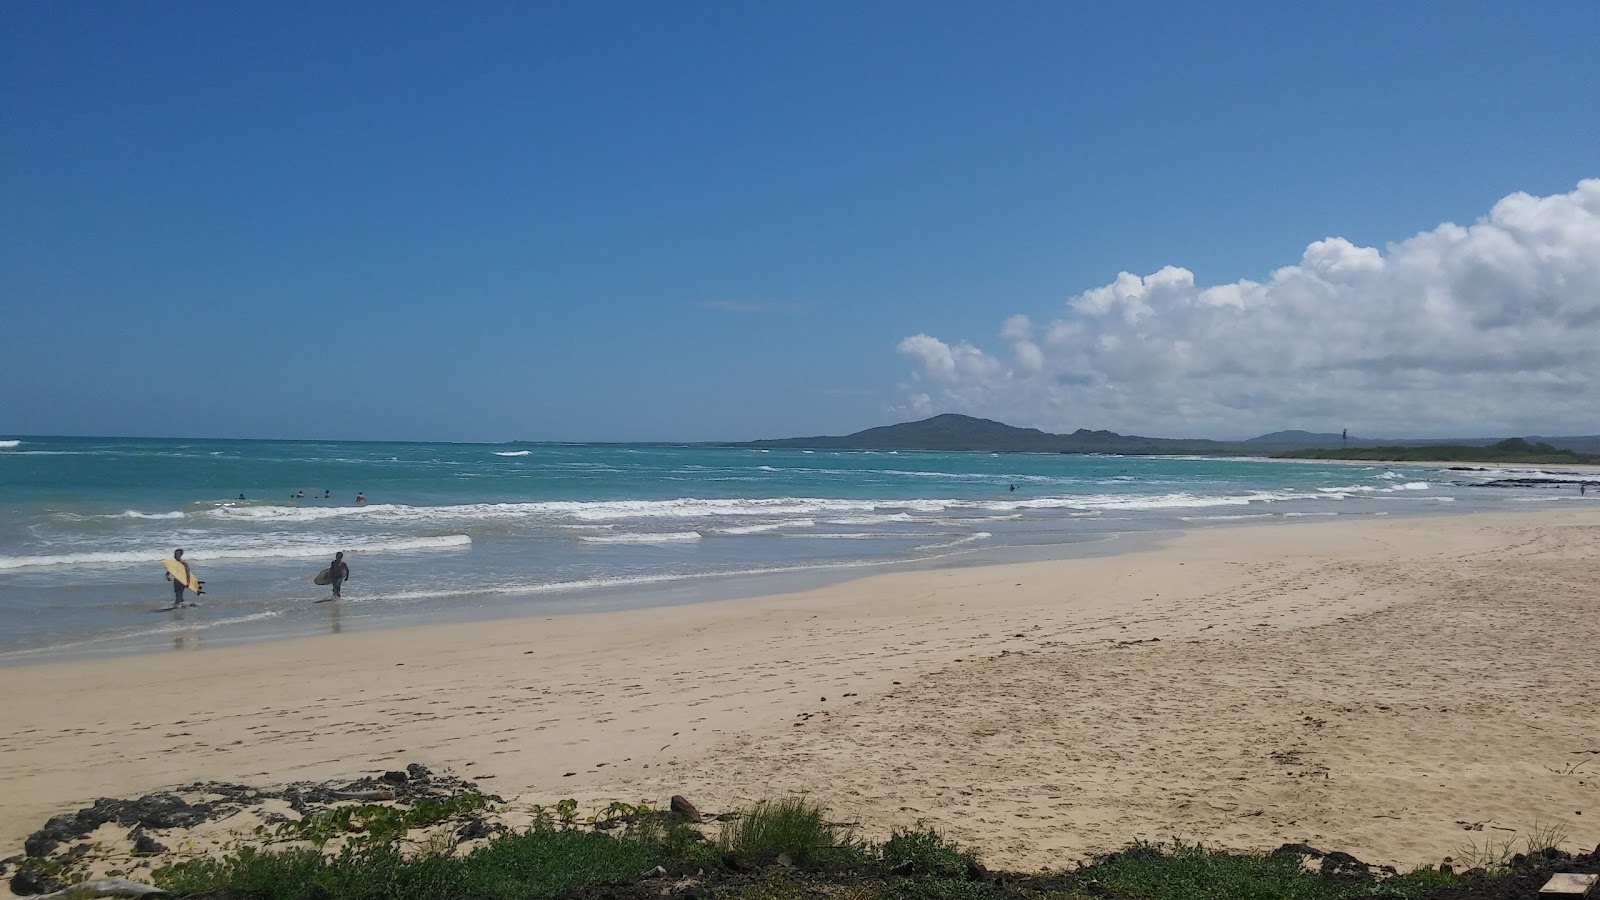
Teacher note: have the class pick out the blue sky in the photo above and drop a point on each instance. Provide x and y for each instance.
(623, 221)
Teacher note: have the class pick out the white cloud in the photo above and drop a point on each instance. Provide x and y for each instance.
(1493, 327)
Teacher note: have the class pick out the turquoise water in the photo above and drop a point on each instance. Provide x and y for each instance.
(472, 530)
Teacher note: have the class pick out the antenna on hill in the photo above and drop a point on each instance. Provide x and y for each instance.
(1344, 437)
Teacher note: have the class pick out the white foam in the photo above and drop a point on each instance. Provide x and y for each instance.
(1412, 486)
(838, 510)
(308, 549)
(958, 542)
(670, 537)
(767, 526)
(872, 520)
(513, 452)
(7, 445)
(135, 514)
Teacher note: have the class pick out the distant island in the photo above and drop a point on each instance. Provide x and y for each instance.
(952, 431)
(1512, 450)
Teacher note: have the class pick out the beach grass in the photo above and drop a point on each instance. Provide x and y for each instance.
(792, 827)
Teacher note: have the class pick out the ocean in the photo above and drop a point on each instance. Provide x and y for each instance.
(463, 531)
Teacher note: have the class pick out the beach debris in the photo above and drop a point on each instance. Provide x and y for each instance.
(103, 887)
(656, 872)
(1567, 885)
(681, 806)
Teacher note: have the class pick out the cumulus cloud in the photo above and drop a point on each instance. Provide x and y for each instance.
(1487, 328)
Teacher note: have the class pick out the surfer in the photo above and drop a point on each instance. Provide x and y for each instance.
(178, 587)
(338, 571)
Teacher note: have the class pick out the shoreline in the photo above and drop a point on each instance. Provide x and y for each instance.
(719, 699)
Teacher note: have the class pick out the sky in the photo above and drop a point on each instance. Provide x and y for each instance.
(725, 221)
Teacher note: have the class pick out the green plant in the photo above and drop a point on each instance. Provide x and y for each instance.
(1546, 836)
(791, 826)
(924, 853)
(567, 812)
(375, 823)
(1492, 855)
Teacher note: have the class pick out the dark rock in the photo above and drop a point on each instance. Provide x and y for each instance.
(731, 863)
(27, 882)
(976, 871)
(1342, 865)
(145, 845)
(473, 829)
(681, 806)
(904, 869)
(394, 778)
(1299, 850)
(41, 842)
(418, 772)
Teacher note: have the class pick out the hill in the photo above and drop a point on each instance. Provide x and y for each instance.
(952, 431)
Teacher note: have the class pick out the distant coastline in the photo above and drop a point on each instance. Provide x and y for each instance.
(951, 431)
(1514, 451)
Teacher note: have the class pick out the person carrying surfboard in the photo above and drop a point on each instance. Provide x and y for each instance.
(338, 571)
(179, 585)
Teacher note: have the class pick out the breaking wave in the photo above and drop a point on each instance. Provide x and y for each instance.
(300, 550)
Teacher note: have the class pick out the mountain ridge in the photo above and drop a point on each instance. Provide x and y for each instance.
(955, 431)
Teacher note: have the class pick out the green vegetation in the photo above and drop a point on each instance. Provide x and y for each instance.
(376, 823)
(1513, 450)
(793, 827)
(927, 854)
(780, 850)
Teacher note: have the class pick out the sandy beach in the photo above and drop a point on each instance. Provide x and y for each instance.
(1394, 688)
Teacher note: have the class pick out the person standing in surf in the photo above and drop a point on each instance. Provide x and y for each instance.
(179, 585)
(338, 571)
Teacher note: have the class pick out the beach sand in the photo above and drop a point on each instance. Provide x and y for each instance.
(1394, 688)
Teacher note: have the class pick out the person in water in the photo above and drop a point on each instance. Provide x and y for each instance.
(178, 587)
(361, 498)
(338, 571)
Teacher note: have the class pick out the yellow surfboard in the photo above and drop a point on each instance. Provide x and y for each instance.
(184, 574)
